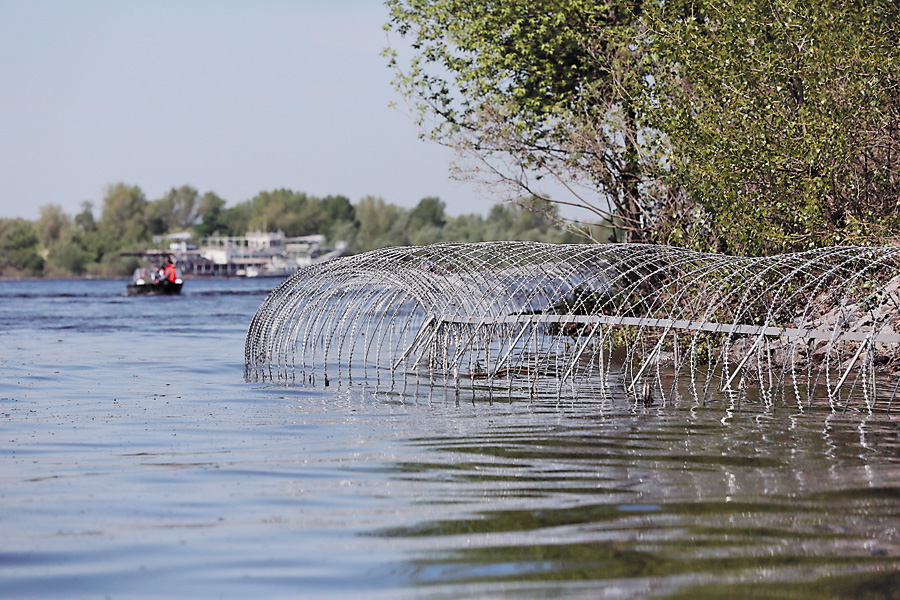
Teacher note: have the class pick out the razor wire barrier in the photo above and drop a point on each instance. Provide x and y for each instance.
(653, 321)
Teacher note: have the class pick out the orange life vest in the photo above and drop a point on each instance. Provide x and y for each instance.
(170, 274)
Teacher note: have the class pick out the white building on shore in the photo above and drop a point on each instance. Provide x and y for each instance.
(257, 254)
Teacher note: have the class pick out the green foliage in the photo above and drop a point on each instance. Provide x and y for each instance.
(86, 234)
(52, 225)
(380, 224)
(210, 217)
(529, 220)
(85, 219)
(338, 209)
(125, 219)
(19, 247)
(294, 213)
(62, 241)
(57, 245)
(429, 212)
(535, 89)
(748, 127)
(236, 220)
(783, 118)
(67, 258)
(178, 210)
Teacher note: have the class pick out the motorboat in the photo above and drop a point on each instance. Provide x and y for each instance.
(149, 281)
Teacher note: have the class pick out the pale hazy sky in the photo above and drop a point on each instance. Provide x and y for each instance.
(229, 96)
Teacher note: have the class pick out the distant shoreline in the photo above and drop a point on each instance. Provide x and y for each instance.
(4, 278)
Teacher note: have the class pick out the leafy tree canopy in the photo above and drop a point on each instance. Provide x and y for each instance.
(57, 245)
(783, 118)
(527, 90)
(124, 214)
(19, 248)
(749, 127)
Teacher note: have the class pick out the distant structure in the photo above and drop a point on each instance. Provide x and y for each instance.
(257, 254)
(652, 322)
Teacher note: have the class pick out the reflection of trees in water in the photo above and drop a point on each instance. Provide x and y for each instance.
(660, 497)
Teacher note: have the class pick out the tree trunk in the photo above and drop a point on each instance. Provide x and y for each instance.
(631, 212)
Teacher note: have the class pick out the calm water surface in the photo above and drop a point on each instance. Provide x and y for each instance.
(137, 462)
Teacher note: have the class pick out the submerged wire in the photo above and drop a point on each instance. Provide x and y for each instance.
(539, 317)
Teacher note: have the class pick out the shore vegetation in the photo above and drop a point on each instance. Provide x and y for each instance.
(748, 127)
(90, 243)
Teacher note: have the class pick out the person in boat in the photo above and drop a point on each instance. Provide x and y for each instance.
(168, 271)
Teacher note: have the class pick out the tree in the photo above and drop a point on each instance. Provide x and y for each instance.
(210, 216)
(87, 236)
(380, 224)
(236, 220)
(752, 127)
(526, 90)
(533, 219)
(783, 118)
(294, 213)
(69, 257)
(426, 222)
(85, 219)
(19, 248)
(339, 219)
(428, 212)
(338, 209)
(178, 210)
(465, 228)
(185, 204)
(124, 211)
(52, 225)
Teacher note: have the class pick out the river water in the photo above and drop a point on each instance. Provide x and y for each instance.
(137, 462)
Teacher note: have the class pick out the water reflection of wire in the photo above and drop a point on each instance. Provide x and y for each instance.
(830, 445)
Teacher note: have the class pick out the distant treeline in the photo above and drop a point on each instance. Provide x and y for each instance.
(88, 244)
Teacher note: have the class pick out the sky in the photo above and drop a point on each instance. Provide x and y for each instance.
(233, 97)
